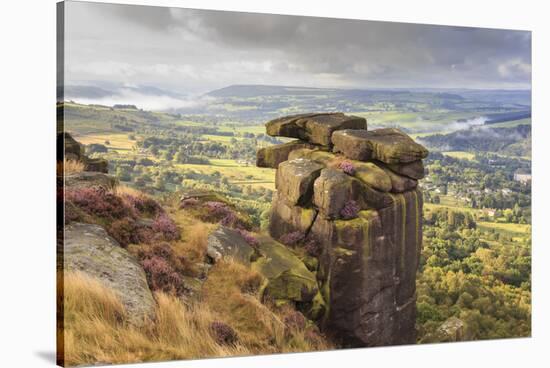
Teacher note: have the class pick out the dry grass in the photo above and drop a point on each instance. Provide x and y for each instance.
(69, 167)
(231, 292)
(120, 190)
(194, 237)
(96, 331)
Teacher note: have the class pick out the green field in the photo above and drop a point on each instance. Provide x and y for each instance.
(460, 154)
(235, 172)
(117, 142)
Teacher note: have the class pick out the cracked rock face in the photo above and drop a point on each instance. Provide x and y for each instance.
(360, 205)
(294, 180)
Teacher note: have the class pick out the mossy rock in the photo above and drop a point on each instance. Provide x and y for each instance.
(287, 277)
(452, 330)
(367, 172)
(388, 145)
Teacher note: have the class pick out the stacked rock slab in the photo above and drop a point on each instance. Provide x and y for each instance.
(354, 193)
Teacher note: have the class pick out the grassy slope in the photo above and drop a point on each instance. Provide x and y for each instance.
(96, 331)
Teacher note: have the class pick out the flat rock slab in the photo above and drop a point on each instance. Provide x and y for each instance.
(294, 180)
(89, 249)
(316, 128)
(229, 243)
(89, 179)
(287, 276)
(272, 156)
(389, 145)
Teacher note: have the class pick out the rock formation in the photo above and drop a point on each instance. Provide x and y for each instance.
(351, 194)
(68, 148)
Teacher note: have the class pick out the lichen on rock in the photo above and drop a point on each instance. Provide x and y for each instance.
(362, 208)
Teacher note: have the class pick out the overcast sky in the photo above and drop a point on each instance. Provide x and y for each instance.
(195, 51)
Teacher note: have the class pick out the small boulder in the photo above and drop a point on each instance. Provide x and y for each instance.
(452, 330)
(229, 243)
(89, 179)
(89, 249)
(294, 180)
(272, 156)
(389, 145)
(95, 164)
(288, 279)
(315, 128)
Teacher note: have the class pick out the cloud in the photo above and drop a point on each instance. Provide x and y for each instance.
(199, 50)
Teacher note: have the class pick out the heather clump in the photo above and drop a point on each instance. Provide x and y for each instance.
(99, 202)
(350, 210)
(347, 167)
(121, 215)
(165, 225)
(216, 212)
(313, 248)
(223, 333)
(292, 238)
(249, 238)
(161, 276)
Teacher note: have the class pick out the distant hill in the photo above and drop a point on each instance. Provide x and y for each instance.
(252, 90)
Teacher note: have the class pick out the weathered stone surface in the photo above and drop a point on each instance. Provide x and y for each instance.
(322, 157)
(368, 268)
(399, 183)
(95, 164)
(66, 144)
(89, 249)
(287, 276)
(294, 180)
(388, 145)
(358, 282)
(413, 170)
(402, 224)
(286, 219)
(452, 330)
(363, 244)
(372, 175)
(334, 189)
(272, 156)
(315, 128)
(368, 172)
(87, 179)
(228, 243)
